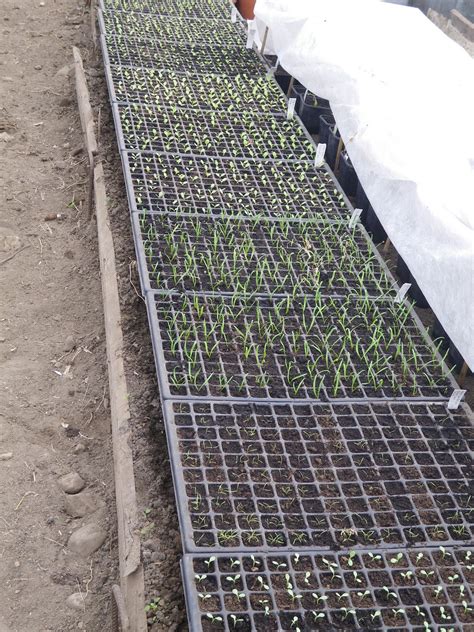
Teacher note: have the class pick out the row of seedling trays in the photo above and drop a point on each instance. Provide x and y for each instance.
(321, 481)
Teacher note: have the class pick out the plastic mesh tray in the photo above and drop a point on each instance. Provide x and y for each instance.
(291, 348)
(275, 476)
(161, 182)
(210, 93)
(193, 59)
(261, 255)
(228, 135)
(209, 32)
(182, 8)
(423, 590)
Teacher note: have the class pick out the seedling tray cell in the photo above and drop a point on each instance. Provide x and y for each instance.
(181, 8)
(265, 256)
(193, 132)
(210, 93)
(181, 57)
(291, 348)
(420, 591)
(208, 32)
(273, 476)
(160, 182)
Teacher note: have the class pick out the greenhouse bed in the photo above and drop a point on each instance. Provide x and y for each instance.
(182, 8)
(420, 590)
(231, 94)
(261, 255)
(209, 32)
(192, 59)
(318, 348)
(280, 476)
(177, 131)
(160, 182)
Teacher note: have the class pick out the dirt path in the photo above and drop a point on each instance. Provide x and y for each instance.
(53, 384)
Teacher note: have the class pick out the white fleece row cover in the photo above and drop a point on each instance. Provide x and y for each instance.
(402, 94)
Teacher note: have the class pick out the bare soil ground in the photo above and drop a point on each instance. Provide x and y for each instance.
(54, 416)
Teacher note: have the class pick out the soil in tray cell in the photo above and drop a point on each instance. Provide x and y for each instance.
(182, 57)
(310, 591)
(210, 93)
(211, 185)
(292, 348)
(184, 132)
(207, 32)
(253, 475)
(182, 8)
(225, 254)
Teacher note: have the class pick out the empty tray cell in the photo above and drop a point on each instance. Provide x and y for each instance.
(424, 590)
(210, 93)
(181, 8)
(261, 255)
(269, 476)
(206, 32)
(193, 132)
(161, 182)
(181, 57)
(291, 348)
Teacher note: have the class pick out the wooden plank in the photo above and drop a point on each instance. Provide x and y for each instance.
(131, 569)
(87, 122)
(83, 101)
(93, 12)
(130, 566)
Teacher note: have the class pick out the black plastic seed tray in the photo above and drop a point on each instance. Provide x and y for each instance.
(208, 32)
(320, 348)
(182, 132)
(427, 590)
(209, 93)
(181, 8)
(161, 182)
(273, 476)
(180, 57)
(261, 255)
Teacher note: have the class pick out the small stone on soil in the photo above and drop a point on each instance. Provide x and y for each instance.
(71, 483)
(69, 343)
(64, 71)
(79, 505)
(87, 539)
(6, 456)
(75, 601)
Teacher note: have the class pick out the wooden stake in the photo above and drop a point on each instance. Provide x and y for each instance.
(290, 87)
(338, 155)
(463, 374)
(264, 43)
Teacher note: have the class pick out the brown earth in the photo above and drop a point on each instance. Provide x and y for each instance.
(54, 416)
